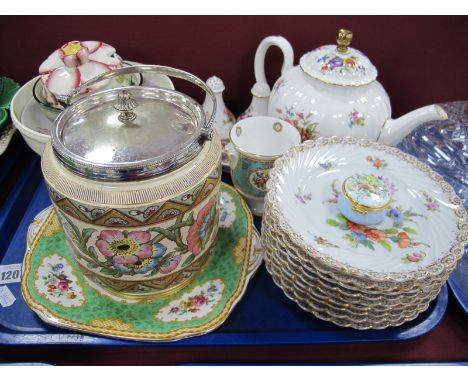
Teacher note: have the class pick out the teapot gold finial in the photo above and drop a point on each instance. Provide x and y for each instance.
(343, 38)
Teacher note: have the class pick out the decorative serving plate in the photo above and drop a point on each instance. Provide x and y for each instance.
(422, 237)
(54, 288)
(314, 292)
(324, 308)
(323, 312)
(389, 291)
(300, 259)
(360, 301)
(320, 288)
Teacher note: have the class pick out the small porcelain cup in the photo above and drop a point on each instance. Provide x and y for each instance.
(256, 143)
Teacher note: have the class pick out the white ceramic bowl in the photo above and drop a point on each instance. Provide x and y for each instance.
(33, 124)
(22, 100)
(154, 79)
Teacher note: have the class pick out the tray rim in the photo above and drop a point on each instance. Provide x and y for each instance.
(234, 339)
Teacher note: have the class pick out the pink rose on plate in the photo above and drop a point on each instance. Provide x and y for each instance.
(62, 286)
(414, 257)
(200, 300)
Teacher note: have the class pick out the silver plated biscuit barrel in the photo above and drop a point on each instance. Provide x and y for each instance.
(134, 175)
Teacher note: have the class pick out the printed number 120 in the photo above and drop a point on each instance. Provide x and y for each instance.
(9, 275)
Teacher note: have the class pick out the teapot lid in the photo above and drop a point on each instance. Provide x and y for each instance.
(339, 64)
(131, 132)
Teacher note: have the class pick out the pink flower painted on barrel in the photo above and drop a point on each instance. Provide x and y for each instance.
(201, 231)
(171, 265)
(125, 247)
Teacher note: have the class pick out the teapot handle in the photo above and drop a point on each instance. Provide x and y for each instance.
(259, 64)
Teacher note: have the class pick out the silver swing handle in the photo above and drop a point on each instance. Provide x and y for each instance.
(206, 130)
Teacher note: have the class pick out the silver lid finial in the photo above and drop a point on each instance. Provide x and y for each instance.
(125, 104)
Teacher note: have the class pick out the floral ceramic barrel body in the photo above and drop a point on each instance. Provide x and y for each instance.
(251, 175)
(140, 238)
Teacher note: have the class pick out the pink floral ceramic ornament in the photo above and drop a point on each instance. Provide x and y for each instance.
(75, 63)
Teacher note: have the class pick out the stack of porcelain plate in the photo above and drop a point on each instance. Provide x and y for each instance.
(355, 275)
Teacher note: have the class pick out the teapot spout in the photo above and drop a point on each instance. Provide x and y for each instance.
(394, 130)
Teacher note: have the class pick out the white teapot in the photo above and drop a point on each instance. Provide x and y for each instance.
(334, 91)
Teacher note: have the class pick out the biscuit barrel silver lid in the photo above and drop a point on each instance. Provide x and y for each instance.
(132, 132)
